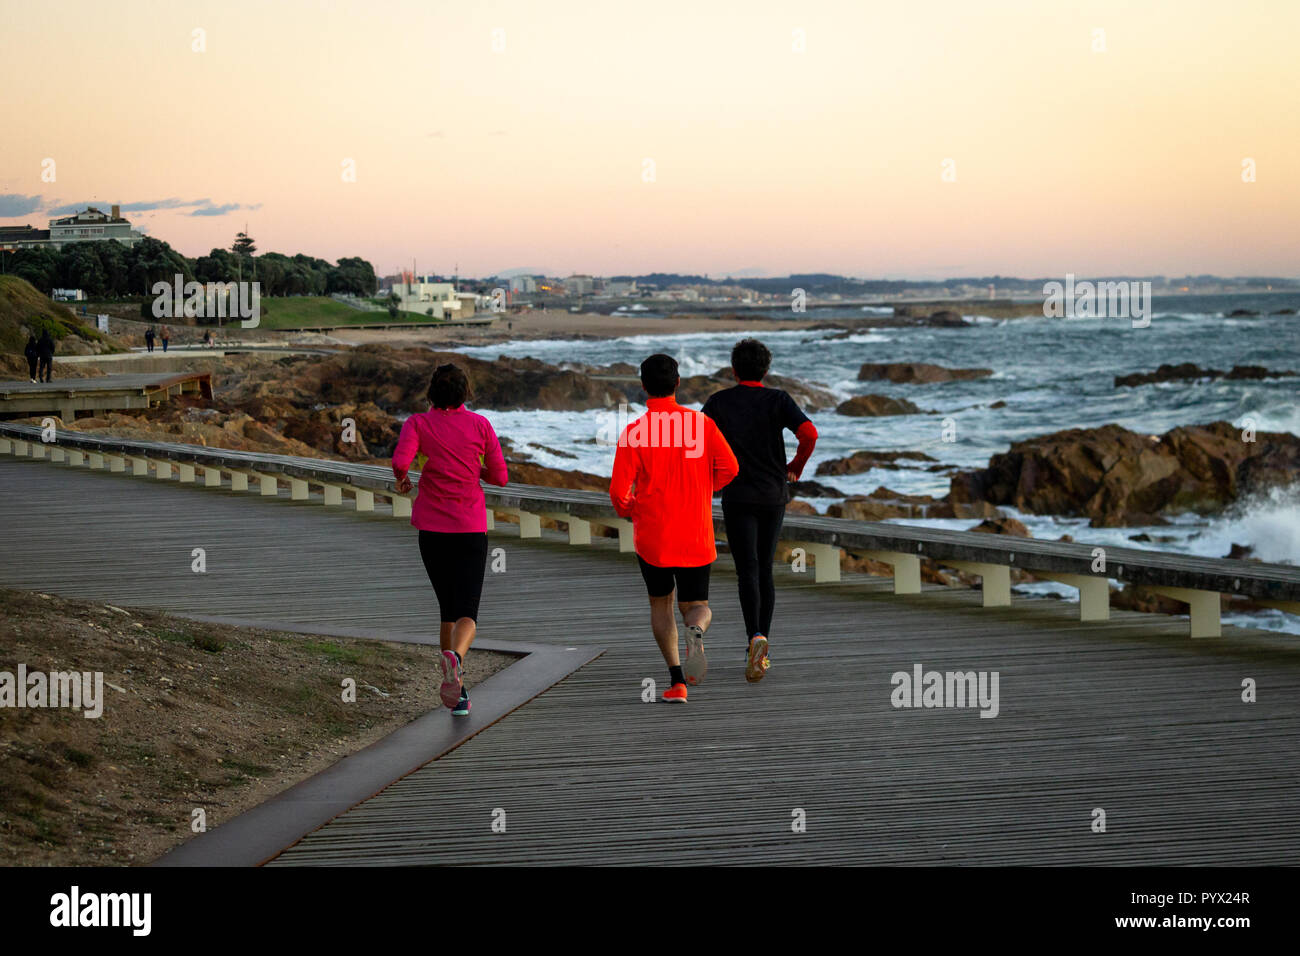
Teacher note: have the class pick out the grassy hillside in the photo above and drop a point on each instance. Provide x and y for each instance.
(23, 309)
(296, 312)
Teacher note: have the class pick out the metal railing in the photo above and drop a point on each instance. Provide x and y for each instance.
(1195, 581)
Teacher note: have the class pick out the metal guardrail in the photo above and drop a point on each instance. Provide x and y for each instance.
(1195, 581)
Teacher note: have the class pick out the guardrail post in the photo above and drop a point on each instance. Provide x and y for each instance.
(37, 449)
(6, 446)
(579, 528)
(162, 469)
(491, 519)
(58, 454)
(365, 499)
(333, 494)
(297, 488)
(530, 523)
(185, 471)
(139, 466)
(402, 506)
(94, 459)
(76, 457)
(211, 476)
(907, 569)
(826, 560)
(20, 447)
(1202, 607)
(116, 463)
(267, 485)
(626, 543)
(1094, 593)
(996, 580)
(239, 481)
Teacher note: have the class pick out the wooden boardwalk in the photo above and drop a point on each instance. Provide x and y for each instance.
(1129, 716)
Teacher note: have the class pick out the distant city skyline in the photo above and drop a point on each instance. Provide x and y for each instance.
(1001, 138)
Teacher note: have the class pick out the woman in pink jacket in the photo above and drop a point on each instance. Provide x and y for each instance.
(449, 510)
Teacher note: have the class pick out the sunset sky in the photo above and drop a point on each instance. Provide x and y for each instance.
(764, 158)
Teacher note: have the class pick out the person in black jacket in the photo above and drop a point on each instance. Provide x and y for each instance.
(45, 352)
(33, 353)
(754, 420)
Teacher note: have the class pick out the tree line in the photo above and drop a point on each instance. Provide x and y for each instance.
(108, 269)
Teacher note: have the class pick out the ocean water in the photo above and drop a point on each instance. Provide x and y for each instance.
(1053, 374)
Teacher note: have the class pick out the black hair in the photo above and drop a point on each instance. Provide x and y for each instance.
(659, 375)
(449, 386)
(751, 360)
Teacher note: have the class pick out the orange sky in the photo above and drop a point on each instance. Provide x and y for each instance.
(1067, 160)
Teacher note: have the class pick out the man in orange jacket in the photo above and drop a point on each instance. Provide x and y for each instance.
(668, 464)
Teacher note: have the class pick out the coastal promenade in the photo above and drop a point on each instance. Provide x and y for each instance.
(813, 765)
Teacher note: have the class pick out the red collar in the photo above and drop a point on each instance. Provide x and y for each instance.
(751, 384)
(662, 402)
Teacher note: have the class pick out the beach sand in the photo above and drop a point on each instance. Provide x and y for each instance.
(560, 325)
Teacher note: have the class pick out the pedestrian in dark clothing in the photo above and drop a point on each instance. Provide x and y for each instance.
(33, 353)
(148, 338)
(45, 352)
(754, 419)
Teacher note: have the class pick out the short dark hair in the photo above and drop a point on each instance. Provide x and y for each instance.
(751, 360)
(659, 375)
(449, 386)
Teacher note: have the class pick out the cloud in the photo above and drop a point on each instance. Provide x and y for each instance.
(197, 207)
(13, 205)
(214, 210)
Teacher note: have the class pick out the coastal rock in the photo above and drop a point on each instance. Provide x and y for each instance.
(797, 507)
(917, 373)
(865, 460)
(1117, 477)
(864, 406)
(815, 489)
(1004, 525)
(1188, 372)
(881, 504)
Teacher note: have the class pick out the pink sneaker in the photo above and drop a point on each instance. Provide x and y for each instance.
(451, 685)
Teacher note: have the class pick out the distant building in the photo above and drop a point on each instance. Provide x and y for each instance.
(68, 295)
(620, 288)
(424, 297)
(13, 238)
(579, 285)
(90, 225)
(526, 284)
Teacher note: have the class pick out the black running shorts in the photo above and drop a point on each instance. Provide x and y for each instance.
(455, 562)
(692, 584)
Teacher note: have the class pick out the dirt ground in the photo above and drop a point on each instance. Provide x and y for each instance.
(195, 716)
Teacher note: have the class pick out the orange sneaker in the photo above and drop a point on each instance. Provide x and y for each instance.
(675, 694)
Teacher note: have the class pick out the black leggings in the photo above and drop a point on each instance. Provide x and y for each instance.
(455, 562)
(752, 532)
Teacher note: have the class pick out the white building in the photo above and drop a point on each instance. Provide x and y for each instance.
(93, 225)
(422, 297)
